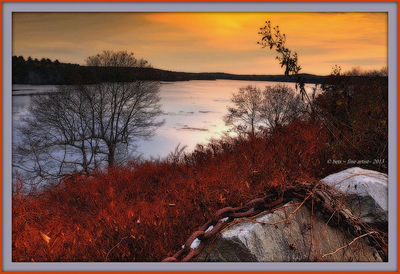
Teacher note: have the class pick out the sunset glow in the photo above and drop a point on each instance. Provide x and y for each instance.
(207, 42)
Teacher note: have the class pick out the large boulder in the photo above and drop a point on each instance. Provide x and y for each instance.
(288, 234)
(292, 233)
(366, 193)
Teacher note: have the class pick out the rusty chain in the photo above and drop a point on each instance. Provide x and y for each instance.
(195, 244)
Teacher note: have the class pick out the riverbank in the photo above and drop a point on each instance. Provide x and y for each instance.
(47, 72)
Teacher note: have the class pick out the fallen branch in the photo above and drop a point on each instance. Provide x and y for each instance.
(349, 244)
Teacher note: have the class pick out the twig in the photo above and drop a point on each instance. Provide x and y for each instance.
(347, 245)
(283, 220)
(108, 253)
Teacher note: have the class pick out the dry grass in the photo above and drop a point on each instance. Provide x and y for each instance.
(143, 211)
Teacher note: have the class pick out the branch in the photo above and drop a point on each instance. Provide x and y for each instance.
(347, 245)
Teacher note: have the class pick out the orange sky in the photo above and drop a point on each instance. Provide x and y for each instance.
(207, 42)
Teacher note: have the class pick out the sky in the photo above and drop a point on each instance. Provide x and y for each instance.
(207, 42)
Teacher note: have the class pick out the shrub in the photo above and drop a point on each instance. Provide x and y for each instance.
(144, 211)
(355, 111)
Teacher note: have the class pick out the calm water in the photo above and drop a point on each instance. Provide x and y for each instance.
(193, 112)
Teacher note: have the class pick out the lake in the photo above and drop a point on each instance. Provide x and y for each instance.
(193, 112)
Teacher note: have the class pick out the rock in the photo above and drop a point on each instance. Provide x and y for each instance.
(366, 191)
(283, 239)
(292, 234)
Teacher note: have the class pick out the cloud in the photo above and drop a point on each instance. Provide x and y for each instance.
(206, 41)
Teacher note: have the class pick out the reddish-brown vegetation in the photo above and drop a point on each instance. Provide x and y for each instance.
(143, 211)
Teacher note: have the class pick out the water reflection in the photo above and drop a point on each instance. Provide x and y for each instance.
(193, 112)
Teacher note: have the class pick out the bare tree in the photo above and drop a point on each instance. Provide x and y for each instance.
(246, 111)
(79, 128)
(280, 105)
(253, 108)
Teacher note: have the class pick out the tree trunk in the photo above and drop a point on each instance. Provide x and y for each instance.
(252, 128)
(85, 165)
(111, 155)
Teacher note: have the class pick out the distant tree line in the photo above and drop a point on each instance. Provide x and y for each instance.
(48, 72)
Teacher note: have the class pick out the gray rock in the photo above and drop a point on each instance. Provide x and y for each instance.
(282, 239)
(366, 191)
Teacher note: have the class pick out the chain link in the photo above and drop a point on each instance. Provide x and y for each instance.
(196, 242)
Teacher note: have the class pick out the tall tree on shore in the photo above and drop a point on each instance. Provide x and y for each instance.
(272, 38)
